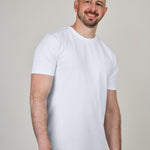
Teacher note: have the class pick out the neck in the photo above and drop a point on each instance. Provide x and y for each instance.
(84, 30)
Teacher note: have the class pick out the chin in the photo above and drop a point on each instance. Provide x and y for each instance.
(90, 25)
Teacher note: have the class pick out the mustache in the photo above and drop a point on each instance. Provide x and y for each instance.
(94, 13)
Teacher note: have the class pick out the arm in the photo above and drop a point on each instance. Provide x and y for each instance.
(40, 88)
(112, 123)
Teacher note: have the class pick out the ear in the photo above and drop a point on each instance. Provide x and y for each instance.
(76, 5)
(105, 10)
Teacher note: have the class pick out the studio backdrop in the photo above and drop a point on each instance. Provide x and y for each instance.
(124, 28)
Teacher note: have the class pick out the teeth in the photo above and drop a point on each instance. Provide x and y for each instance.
(91, 15)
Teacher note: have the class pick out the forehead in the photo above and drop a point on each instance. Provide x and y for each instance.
(94, 0)
(102, 1)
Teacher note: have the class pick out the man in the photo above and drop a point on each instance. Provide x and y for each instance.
(73, 86)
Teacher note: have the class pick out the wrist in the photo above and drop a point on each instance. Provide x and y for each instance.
(44, 145)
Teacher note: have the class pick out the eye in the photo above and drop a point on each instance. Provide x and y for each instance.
(87, 2)
(99, 4)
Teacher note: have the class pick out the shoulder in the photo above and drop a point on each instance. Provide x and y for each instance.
(54, 38)
(59, 33)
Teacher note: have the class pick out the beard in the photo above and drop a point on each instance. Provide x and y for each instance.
(89, 23)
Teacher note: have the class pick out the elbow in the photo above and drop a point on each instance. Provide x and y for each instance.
(31, 100)
(36, 98)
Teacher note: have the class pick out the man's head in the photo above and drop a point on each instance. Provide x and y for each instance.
(90, 12)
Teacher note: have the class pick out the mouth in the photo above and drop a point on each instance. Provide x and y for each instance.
(91, 15)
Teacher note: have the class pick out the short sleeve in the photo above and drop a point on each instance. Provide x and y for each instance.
(111, 82)
(45, 56)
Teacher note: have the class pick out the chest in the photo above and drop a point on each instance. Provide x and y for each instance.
(85, 58)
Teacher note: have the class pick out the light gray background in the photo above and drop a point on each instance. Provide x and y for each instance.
(125, 28)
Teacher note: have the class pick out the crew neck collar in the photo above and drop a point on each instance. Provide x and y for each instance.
(80, 36)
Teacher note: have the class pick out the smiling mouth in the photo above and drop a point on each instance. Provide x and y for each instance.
(91, 15)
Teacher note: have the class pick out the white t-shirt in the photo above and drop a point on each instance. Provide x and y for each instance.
(83, 70)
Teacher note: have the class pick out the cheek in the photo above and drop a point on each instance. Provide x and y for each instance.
(85, 8)
(101, 12)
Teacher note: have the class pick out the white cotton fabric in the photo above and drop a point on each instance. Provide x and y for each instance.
(83, 70)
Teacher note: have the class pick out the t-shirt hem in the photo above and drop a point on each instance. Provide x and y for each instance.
(42, 72)
(111, 88)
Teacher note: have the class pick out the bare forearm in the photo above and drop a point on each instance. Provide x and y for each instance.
(39, 121)
(113, 130)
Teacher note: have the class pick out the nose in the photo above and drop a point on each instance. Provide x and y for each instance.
(93, 7)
